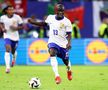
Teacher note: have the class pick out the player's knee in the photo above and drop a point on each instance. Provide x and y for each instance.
(8, 48)
(52, 52)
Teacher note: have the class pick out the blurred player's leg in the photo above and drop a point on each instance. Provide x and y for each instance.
(7, 54)
(7, 61)
(14, 58)
(14, 52)
(54, 65)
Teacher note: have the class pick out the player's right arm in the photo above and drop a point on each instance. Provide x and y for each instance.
(2, 27)
(37, 23)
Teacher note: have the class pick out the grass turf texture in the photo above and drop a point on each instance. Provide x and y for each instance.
(84, 78)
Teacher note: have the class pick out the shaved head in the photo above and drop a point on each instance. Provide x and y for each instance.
(59, 7)
(59, 11)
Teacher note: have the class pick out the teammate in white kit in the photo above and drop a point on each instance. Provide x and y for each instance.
(10, 23)
(59, 40)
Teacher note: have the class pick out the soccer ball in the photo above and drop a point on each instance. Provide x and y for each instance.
(34, 82)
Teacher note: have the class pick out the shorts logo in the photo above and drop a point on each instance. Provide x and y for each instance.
(97, 51)
(38, 51)
(67, 55)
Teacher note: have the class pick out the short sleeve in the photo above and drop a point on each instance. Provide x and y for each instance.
(20, 21)
(1, 19)
(48, 19)
(68, 26)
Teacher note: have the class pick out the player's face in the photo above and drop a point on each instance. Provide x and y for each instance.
(10, 11)
(60, 11)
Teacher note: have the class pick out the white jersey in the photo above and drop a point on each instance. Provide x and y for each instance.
(14, 21)
(58, 30)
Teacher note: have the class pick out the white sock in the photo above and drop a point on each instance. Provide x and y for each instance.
(7, 59)
(69, 66)
(54, 65)
(14, 56)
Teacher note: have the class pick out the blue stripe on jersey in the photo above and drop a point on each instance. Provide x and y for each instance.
(68, 32)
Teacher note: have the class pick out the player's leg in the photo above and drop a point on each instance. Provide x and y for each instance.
(7, 54)
(54, 63)
(65, 58)
(14, 52)
(68, 66)
(14, 56)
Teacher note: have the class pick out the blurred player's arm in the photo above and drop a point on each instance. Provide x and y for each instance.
(68, 46)
(2, 27)
(37, 23)
(16, 28)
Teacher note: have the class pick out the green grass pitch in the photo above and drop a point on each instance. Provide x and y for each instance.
(84, 78)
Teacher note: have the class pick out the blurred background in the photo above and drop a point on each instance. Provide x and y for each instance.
(88, 46)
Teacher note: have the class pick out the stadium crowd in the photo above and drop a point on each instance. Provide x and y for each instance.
(30, 30)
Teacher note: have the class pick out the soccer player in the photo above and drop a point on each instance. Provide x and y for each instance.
(59, 39)
(10, 23)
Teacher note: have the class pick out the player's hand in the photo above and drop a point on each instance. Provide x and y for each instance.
(4, 30)
(30, 20)
(68, 46)
(13, 27)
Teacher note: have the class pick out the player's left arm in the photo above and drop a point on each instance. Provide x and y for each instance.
(68, 32)
(2, 26)
(68, 46)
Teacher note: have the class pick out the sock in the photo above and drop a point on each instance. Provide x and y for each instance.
(69, 66)
(54, 65)
(7, 59)
(14, 56)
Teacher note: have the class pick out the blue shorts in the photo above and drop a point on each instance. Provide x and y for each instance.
(61, 52)
(13, 44)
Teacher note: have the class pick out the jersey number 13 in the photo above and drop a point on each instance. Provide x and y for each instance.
(55, 32)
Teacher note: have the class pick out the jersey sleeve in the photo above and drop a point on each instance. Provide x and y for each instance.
(68, 26)
(48, 19)
(1, 19)
(20, 21)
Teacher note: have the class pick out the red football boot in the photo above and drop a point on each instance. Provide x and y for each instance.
(13, 63)
(69, 75)
(58, 80)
